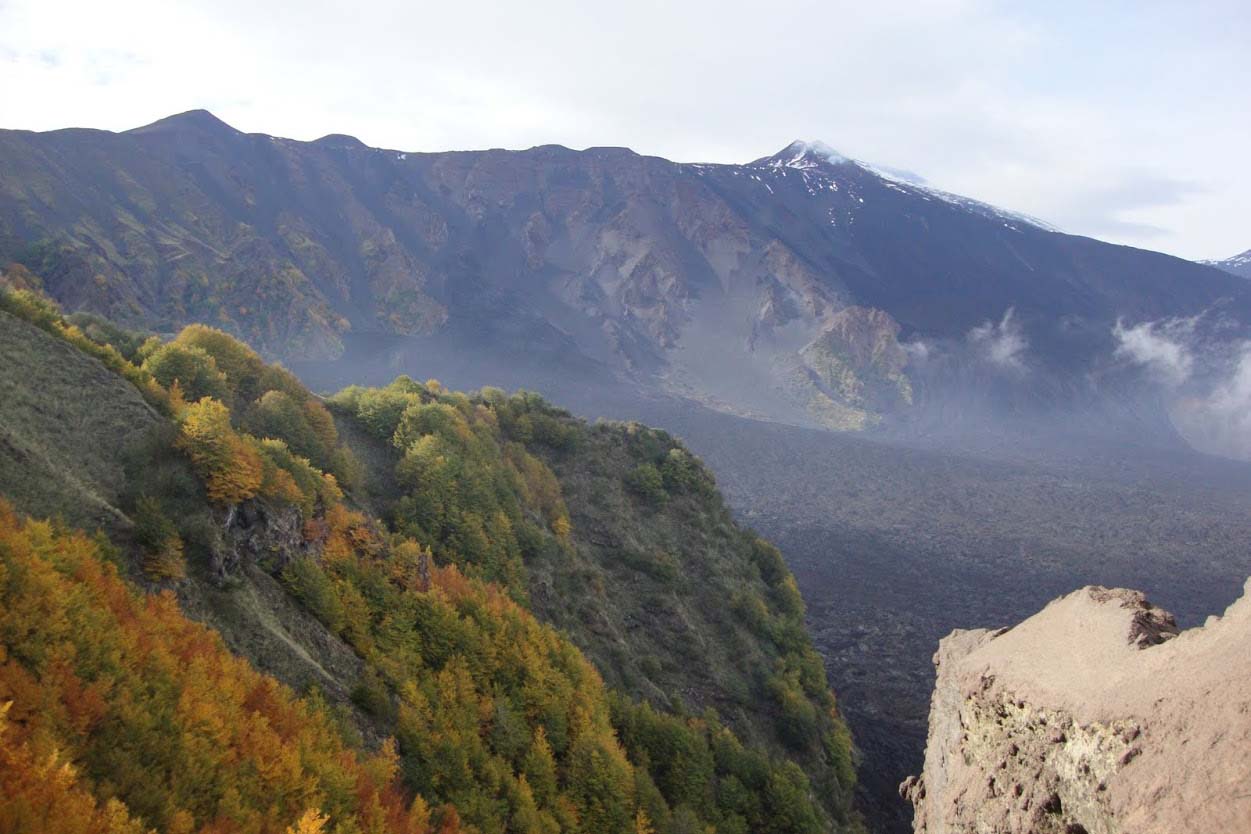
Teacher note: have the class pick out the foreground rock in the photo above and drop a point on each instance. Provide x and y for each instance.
(1095, 715)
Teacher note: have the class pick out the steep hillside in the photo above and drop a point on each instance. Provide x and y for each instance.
(804, 287)
(118, 715)
(420, 630)
(59, 444)
(646, 570)
(894, 547)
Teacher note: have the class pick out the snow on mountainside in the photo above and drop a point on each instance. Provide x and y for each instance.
(1239, 265)
(818, 159)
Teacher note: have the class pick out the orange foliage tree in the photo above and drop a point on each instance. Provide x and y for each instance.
(168, 730)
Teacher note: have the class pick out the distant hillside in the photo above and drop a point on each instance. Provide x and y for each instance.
(1239, 265)
(401, 562)
(803, 287)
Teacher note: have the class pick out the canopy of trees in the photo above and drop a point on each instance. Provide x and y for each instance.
(166, 729)
(500, 724)
(476, 497)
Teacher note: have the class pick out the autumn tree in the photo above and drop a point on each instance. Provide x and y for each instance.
(157, 716)
(230, 466)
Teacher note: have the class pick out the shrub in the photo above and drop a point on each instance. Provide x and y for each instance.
(31, 306)
(647, 482)
(683, 473)
(158, 537)
(104, 332)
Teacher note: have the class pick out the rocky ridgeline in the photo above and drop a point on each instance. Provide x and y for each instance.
(1095, 715)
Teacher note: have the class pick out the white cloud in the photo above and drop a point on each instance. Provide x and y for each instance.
(1003, 343)
(1161, 346)
(1208, 381)
(918, 351)
(1046, 109)
(1220, 422)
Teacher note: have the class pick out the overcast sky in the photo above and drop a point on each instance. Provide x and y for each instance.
(1129, 122)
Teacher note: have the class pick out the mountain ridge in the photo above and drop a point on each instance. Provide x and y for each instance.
(602, 264)
(1239, 264)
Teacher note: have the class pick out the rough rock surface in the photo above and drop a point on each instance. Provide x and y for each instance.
(1094, 715)
(256, 533)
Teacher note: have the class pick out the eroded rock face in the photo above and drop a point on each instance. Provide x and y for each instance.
(256, 533)
(1095, 715)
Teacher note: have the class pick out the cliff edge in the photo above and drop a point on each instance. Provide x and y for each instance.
(1093, 716)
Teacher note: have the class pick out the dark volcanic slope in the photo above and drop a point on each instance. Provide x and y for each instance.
(786, 288)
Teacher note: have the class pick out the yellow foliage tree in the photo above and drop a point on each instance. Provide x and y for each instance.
(312, 822)
(231, 468)
(561, 527)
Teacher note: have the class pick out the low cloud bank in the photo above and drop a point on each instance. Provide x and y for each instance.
(1209, 381)
(1161, 346)
(1220, 423)
(1002, 343)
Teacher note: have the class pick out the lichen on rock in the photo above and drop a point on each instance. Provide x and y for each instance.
(1095, 715)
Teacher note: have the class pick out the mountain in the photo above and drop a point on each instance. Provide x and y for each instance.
(404, 609)
(803, 287)
(1024, 738)
(1239, 265)
(696, 297)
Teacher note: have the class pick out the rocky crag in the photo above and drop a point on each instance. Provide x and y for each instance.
(1093, 716)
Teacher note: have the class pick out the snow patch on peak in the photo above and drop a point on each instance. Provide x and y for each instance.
(893, 174)
(804, 156)
(821, 151)
(1243, 259)
(813, 159)
(906, 181)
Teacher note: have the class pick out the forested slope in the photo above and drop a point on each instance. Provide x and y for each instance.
(388, 562)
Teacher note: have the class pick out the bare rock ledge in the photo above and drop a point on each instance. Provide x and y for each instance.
(1093, 716)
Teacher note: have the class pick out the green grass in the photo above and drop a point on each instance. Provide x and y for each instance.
(64, 418)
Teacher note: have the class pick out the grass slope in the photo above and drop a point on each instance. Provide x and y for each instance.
(64, 418)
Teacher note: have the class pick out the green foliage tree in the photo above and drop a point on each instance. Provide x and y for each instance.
(469, 492)
(195, 371)
(241, 365)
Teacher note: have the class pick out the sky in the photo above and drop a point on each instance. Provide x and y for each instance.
(1126, 121)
